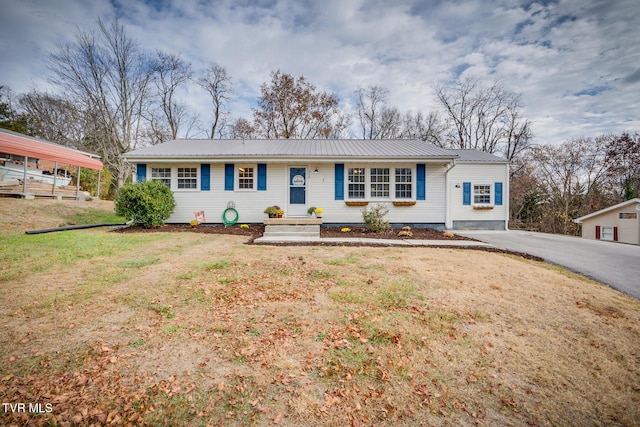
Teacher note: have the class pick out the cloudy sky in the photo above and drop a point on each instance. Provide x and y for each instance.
(575, 62)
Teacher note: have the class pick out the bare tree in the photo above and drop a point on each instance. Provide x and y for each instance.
(54, 118)
(217, 82)
(484, 118)
(106, 76)
(290, 107)
(572, 179)
(371, 103)
(170, 72)
(242, 129)
(429, 128)
(623, 164)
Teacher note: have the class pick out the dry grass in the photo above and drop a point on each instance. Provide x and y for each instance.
(188, 329)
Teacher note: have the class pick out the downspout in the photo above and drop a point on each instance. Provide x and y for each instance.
(447, 198)
(505, 196)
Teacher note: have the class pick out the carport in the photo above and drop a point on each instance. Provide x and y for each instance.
(15, 147)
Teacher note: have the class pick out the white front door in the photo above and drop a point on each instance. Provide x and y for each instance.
(297, 191)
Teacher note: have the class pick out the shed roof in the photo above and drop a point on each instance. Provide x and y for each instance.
(288, 148)
(630, 202)
(22, 145)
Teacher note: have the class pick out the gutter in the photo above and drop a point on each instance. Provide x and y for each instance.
(447, 198)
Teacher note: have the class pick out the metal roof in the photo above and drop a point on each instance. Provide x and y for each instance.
(22, 145)
(609, 209)
(477, 156)
(290, 148)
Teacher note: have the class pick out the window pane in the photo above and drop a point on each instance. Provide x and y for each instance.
(163, 175)
(380, 182)
(187, 178)
(245, 178)
(481, 194)
(356, 183)
(607, 233)
(403, 183)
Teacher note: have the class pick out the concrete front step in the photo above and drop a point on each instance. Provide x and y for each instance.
(283, 234)
(300, 230)
(293, 228)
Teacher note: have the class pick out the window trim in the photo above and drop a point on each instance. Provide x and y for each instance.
(602, 233)
(366, 168)
(473, 193)
(174, 171)
(254, 177)
(162, 178)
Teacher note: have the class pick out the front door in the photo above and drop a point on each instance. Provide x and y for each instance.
(297, 191)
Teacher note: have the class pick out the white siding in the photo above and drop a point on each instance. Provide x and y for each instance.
(478, 173)
(320, 193)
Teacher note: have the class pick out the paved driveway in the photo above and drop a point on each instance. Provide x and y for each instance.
(615, 264)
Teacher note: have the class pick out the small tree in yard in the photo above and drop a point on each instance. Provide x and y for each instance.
(374, 218)
(149, 204)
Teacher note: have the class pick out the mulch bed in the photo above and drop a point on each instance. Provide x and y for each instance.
(257, 230)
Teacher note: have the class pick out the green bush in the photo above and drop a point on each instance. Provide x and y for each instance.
(149, 204)
(374, 218)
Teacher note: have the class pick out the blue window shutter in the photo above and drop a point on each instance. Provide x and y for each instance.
(497, 198)
(466, 193)
(339, 181)
(262, 177)
(228, 177)
(421, 181)
(205, 177)
(141, 172)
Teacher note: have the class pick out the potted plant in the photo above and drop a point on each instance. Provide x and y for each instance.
(194, 223)
(279, 213)
(318, 212)
(311, 210)
(272, 211)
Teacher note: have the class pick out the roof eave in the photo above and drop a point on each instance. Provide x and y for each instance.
(262, 158)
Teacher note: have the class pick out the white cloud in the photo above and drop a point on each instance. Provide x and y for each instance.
(549, 50)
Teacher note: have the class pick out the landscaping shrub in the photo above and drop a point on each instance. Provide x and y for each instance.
(149, 204)
(374, 218)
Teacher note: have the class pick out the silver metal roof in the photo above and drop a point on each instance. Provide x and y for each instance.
(477, 156)
(289, 148)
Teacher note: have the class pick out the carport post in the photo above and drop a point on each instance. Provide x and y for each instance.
(24, 179)
(55, 177)
(78, 185)
(98, 190)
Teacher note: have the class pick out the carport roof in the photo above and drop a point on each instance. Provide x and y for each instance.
(22, 145)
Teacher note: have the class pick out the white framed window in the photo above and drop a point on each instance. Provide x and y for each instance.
(380, 183)
(246, 177)
(162, 174)
(404, 183)
(187, 178)
(482, 194)
(356, 183)
(606, 233)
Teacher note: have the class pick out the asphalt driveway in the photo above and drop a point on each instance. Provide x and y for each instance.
(614, 264)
